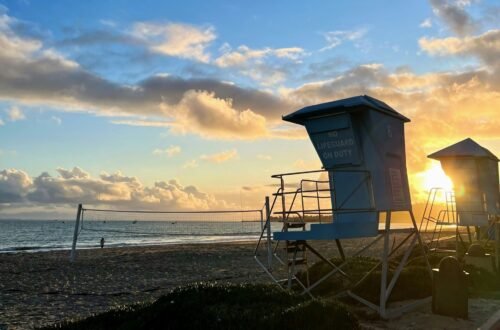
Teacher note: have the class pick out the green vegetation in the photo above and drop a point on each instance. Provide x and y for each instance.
(217, 306)
(414, 281)
(483, 284)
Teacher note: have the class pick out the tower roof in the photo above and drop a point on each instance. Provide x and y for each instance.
(465, 148)
(350, 104)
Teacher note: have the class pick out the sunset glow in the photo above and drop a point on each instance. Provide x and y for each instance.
(179, 105)
(164, 164)
(434, 177)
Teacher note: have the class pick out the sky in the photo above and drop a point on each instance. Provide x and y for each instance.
(173, 105)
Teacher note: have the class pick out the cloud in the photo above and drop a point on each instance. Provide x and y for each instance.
(176, 39)
(220, 157)
(14, 185)
(1, 122)
(264, 157)
(210, 116)
(143, 123)
(243, 54)
(354, 81)
(100, 36)
(15, 114)
(118, 177)
(486, 47)
(190, 164)
(268, 66)
(336, 38)
(32, 75)
(454, 15)
(56, 120)
(303, 165)
(426, 23)
(170, 151)
(75, 173)
(325, 69)
(113, 190)
(444, 107)
(108, 22)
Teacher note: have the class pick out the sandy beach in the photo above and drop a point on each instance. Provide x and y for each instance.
(43, 288)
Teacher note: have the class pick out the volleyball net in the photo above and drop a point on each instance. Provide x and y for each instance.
(118, 227)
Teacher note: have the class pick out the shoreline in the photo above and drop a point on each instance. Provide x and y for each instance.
(199, 239)
(35, 249)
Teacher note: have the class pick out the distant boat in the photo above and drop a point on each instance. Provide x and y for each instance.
(173, 223)
(134, 222)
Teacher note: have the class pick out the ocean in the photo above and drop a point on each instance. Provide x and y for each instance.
(47, 235)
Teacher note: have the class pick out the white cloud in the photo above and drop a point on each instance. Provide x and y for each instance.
(154, 101)
(243, 54)
(143, 123)
(75, 173)
(303, 165)
(56, 120)
(220, 157)
(15, 114)
(210, 116)
(114, 190)
(486, 47)
(170, 151)
(190, 164)
(107, 22)
(268, 66)
(336, 38)
(14, 185)
(264, 157)
(176, 39)
(427, 23)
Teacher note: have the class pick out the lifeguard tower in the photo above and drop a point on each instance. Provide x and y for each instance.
(360, 141)
(475, 199)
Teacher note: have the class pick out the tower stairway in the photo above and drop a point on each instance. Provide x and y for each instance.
(294, 211)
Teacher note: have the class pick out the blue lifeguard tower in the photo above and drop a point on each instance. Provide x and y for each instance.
(360, 142)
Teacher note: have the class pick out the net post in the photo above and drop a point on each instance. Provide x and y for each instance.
(385, 266)
(75, 233)
(269, 243)
(261, 212)
(497, 242)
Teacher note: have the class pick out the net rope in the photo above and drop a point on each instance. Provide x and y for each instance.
(173, 223)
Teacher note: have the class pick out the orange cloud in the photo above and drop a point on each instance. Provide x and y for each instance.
(220, 157)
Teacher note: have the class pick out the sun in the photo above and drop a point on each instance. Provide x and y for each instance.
(434, 177)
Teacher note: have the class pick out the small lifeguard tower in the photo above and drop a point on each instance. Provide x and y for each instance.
(473, 170)
(360, 142)
(475, 200)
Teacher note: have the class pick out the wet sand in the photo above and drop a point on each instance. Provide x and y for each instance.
(43, 288)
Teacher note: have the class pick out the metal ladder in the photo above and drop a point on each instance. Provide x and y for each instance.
(294, 216)
(434, 221)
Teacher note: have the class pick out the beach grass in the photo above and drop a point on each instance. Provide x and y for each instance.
(413, 283)
(224, 306)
